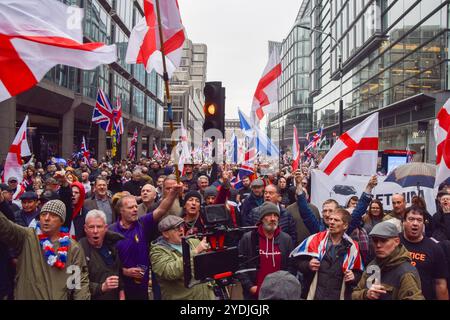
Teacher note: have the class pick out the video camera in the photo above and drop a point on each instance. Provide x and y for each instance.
(220, 262)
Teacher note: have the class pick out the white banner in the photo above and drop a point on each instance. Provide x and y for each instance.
(324, 187)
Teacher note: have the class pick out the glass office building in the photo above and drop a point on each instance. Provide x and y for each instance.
(394, 60)
(295, 107)
(60, 107)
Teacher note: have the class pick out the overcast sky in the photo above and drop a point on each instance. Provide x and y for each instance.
(237, 34)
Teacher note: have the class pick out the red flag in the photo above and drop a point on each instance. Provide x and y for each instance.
(356, 151)
(295, 151)
(144, 44)
(265, 99)
(18, 149)
(36, 35)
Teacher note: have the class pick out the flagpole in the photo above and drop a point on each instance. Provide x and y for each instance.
(166, 84)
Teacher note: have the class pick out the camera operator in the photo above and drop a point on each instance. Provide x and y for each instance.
(267, 249)
(167, 262)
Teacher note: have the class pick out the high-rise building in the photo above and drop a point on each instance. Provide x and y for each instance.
(60, 106)
(295, 106)
(394, 61)
(186, 89)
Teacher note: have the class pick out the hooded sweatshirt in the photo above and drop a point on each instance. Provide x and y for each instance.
(75, 222)
(269, 256)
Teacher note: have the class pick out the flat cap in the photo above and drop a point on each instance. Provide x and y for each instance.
(169, 222)
(257, 183)
(384, 230)
(29, 195)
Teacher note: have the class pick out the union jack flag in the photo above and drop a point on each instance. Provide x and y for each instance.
(316, 246)
(132, 150)
(118, 120)
(315, 140)
(85, 152)
(103, 114)
(243, 172)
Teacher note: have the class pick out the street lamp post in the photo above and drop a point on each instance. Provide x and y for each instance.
(341, 102)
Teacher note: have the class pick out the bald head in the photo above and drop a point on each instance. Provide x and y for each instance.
(398, 204)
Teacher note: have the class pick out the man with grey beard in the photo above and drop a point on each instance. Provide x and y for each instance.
(267, 249)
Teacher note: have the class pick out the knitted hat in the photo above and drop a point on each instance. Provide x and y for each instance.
(55, 206)
(268, 208)
(194, 194)
(210, 192)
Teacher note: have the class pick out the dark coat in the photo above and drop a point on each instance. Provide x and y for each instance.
(249, 204)
(330, 275)
(249, 250)
(99, 270)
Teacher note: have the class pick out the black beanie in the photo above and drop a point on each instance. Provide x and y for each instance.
(191, 194)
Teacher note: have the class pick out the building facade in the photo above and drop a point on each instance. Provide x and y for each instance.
(295, 107)
(60, 106)
(394, 61)
(186, 90)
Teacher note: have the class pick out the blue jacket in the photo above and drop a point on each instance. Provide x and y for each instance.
(314, 225)
(286, 222)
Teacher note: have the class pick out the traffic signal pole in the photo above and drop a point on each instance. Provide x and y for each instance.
(167, 88)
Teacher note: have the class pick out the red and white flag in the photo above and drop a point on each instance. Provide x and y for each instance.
(356, 151)
(144, 44)
(18, 149)
(442, 136)
(265, 99)
(295, 150)
(36, 35)
(85, 152)
(185, 154)
(132, 149)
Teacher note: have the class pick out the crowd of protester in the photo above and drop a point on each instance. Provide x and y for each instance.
(119, 227)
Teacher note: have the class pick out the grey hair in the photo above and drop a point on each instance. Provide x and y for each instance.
(202, 177)
(95, 213)
(137, 171)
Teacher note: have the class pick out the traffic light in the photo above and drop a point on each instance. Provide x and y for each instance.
(214, 107)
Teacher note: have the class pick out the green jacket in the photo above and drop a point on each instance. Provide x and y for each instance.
(167, 264)
(400, 279)
(35, 279)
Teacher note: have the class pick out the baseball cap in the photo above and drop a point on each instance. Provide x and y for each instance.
(12, 179)
(169, 222)
(384, 230)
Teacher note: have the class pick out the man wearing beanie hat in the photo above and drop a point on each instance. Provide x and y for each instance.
(273, 247)
(399, 280)
(210, 195)
(43, 274)
(191, 213)
(287, 223)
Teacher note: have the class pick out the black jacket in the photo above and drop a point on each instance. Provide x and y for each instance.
(99, 270)
(249, 253)
(330, 276)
